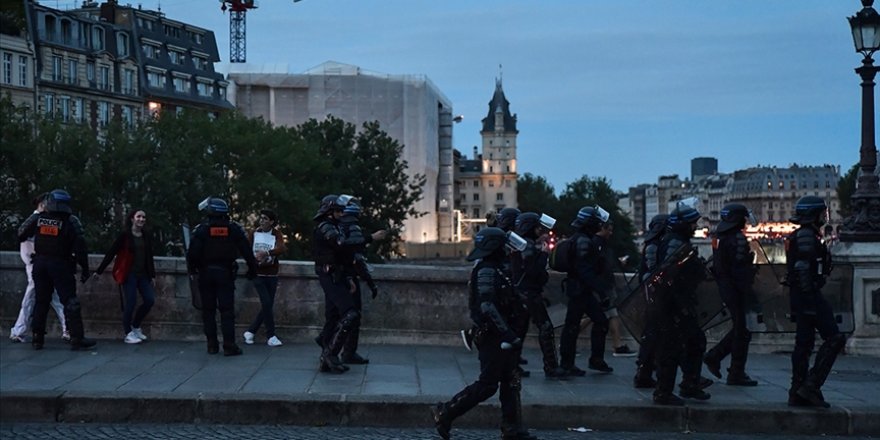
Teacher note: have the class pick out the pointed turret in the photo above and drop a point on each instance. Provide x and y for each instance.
(499, 116)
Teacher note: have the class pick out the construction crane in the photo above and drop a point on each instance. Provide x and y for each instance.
(237, 27)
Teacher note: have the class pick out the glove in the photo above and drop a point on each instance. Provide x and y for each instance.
(84, 276)
(509, 340)
(375, 290)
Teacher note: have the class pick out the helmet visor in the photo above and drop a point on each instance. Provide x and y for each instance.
(752, 219)
(547, 221)
(603, 214)
(203, 205)
(515, 242)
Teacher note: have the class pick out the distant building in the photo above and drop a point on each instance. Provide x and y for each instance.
(703, 166)
(410, 108)
(487, 182)
(17, 53)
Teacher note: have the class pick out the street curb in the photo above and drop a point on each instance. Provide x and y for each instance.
(406, 412)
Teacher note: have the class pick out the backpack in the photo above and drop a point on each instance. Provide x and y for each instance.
(563, 254)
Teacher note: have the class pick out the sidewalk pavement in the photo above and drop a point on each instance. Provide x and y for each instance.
(178, 382)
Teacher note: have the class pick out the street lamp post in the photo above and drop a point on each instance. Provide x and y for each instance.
(864, 223)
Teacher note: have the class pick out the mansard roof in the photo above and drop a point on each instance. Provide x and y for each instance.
(499, 103)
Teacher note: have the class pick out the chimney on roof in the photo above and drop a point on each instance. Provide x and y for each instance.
(475, 152)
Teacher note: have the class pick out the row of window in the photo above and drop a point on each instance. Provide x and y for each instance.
(181, 83)
(499, 197)
(71, 109)
(15, 70)
(476, 183)
(98, 75)
(176, 56)
(170, 30)
(84, 35)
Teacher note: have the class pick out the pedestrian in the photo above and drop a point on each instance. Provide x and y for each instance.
(529, 270)
(268, 244)
(680, 340)
(608, 262)
(215, 244)
(134, 271)
(499, 314)
(734, 269)
(58, 241)
(26, 250)
(588, 293)
(648, 341)
(809, 264)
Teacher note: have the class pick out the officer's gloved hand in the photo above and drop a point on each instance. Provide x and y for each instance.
(84, 276)
(509, 340)
(375, 290)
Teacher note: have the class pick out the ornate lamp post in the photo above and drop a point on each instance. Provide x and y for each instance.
(864, 224)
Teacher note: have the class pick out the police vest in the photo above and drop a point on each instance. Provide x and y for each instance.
(53, 235)
(219, 242)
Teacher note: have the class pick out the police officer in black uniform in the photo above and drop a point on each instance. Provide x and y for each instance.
(734, 269)
(499, 314)
(529, 270)
(588, 293)
(332, 250)
(680, 340)
(59, 246)
(216, 243)
(647, 346)
(809, 264)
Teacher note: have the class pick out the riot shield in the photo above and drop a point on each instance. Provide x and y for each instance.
(195, 294)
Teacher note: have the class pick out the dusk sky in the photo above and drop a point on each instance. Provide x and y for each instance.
(628, 90)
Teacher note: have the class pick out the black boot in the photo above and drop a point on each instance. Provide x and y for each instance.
(740, 379)
(811, 393)
(349, 353)
(213, 346)
(599, 365)
(667, 399)
(231, 349)
(713, 364)
(643, 377)
(38, 341)
(82, 343)
(694, 393)
(442, 421)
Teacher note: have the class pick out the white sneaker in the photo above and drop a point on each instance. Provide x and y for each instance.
(248, 338)
(131, 338)
(274, 342)
(65, 335)
(137, 332)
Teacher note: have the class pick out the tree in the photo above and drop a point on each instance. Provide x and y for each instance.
(845, 189)
(535, 194)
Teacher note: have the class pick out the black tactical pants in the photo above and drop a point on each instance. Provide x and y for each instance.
(217, 287)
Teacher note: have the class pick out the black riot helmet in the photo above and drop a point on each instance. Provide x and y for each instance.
(58, 201)
(810, 210)
(683, 219)
(487, 242)
(656, 227)
(733, 216)
(506, 218)
(527, 222)
(214, 207)
(327, 204)
(590, 218)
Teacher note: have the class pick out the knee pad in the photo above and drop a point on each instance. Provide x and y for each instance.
(351, 318)
(546, 327)
(837, 341)
(515, 383)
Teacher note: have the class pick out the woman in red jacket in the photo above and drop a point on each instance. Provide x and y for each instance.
(134, 271)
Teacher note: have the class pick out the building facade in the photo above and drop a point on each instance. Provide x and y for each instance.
(17, 69)
(409, 108)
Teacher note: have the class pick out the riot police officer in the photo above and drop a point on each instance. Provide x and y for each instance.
(588, 293)
(645, 361)
(216, 243)
(680, 340)
(529, 270)
(331, 250)
(59, 246)
(499, 314)
(734, 269)
(809, 263)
